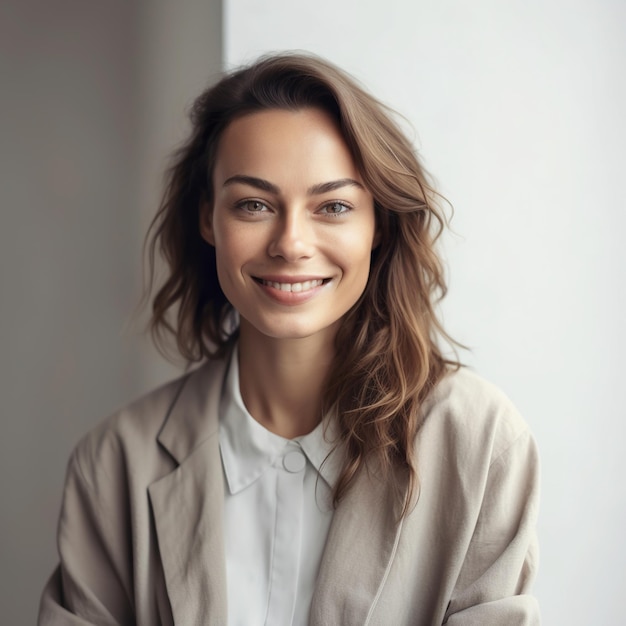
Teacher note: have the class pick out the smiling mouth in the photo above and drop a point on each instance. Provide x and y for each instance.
(293, 287)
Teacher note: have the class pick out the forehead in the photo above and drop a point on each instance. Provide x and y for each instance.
(283, 144)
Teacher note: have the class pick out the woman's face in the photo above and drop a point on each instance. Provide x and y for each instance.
(292, 224)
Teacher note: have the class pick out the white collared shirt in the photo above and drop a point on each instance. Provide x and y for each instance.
(277, 513)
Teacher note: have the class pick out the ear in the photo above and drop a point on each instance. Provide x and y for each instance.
(206, 223)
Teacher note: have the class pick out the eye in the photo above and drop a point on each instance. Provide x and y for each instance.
(252, 206)
(335, 208)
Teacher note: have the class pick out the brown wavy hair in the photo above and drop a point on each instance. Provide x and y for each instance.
(387, 354)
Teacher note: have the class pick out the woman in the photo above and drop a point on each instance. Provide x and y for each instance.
(326, 464)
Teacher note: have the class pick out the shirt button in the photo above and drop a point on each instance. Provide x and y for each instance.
(294, 461)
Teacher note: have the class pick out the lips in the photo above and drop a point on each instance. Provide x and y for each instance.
(291, 290)
(293, 287)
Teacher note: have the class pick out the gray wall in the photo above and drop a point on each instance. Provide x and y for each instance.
(93, 98)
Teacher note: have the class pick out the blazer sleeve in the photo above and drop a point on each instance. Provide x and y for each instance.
(92, 582)
(494, 584)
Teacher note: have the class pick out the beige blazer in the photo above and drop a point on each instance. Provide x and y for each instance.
(140, 531)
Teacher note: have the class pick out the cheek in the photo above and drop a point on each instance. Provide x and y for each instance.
(358, 250)
(362, 260)
(229, 275)
(233, 250)
(230, 242)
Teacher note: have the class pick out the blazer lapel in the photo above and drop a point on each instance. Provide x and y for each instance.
(361, 545)
(187, 503)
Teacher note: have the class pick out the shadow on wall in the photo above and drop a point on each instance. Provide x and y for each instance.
(100, 95)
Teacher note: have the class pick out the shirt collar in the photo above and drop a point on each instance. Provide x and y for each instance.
(248, 449)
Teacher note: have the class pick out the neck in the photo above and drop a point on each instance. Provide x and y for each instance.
(282, 380)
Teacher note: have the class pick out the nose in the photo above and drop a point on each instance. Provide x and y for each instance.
(292, 237)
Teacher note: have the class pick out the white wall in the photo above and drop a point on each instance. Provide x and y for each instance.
(93, 98)
(518, 108)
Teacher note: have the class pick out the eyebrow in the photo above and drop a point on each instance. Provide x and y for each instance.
(315, 190)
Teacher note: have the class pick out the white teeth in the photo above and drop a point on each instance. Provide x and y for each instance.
(295, 287)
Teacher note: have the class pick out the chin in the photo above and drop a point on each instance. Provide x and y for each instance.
(292, 333)
(291, 330)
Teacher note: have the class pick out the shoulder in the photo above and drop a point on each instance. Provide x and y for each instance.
(133, 425)
(466, 411)
(129, 440)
